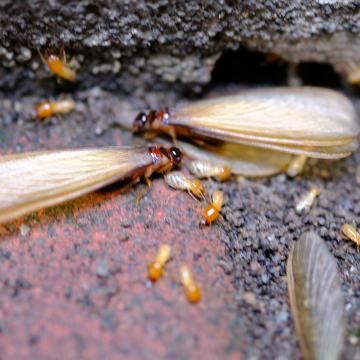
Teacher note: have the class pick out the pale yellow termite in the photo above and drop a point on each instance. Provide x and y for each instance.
(306, 201)
(314, 122)
(48, 108)
(352, 234)
(211, 213)
(156, 268)
(206, 169)
(60, 68)
(177, 180)
(192, 290)
(296, 165)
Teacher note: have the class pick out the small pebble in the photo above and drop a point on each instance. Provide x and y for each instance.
(123, 237)
(226, 265)
(102, 268)
(249, 298)
(353, 340)
(24, 229)
(255, 266)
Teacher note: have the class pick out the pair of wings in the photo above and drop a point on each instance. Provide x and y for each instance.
(316, 299)
(33, 180)
(311, 121)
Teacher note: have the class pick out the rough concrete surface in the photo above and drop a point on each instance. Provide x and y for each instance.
(73, 277)
(127, 44)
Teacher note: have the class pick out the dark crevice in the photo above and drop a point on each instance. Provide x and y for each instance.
(254, 68)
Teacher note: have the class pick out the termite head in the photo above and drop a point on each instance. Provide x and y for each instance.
(53, 61)
(145, 122)
(140, 122)
(197, 188)
(44, 110)
(174, 155)
(315, 190)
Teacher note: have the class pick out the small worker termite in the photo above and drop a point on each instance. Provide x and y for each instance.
(60, 68)
(306, 201)
(206, 169)
(30, 181)
(296, 165)
(352, 234)
(48, 108)
(156, 268)
(211, 213)
(192, 290)
(315, 122)
(177, 180)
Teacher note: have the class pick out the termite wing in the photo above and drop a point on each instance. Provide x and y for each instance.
(30, 181)
(309, 121)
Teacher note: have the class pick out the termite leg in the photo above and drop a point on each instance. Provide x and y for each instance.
(62, 52)
(41, 56)
(193, 196)
(221, 220)
(144, 191)
(199, 142)
(129, 185)
(346, 244)
(165, 169)
(151, 134)
(358, 249)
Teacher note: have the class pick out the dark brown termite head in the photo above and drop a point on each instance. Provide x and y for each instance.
(145, 122)
(174, 155)
(140, 122)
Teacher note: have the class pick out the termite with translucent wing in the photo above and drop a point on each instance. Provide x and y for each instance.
(30, 181)
(316, 299)
(308, 121)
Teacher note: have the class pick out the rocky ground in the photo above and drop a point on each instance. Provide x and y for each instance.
(73, 277)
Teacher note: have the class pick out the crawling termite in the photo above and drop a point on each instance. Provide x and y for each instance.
(211, 213)
(306, 201)
(156, 268)
(352, 234)
(60, 68)
(192, 290)
(47, 108)
(296, 165)
(177, 180)
(206, 169)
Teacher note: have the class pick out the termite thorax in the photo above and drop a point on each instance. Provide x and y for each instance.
(174, 155)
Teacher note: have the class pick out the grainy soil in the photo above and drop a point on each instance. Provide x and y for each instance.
(73, 277)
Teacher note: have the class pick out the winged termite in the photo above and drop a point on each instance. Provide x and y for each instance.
(30, 181)
(309, 121)
(316, 299)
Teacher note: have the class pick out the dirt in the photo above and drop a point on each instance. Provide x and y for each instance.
(74, 276)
